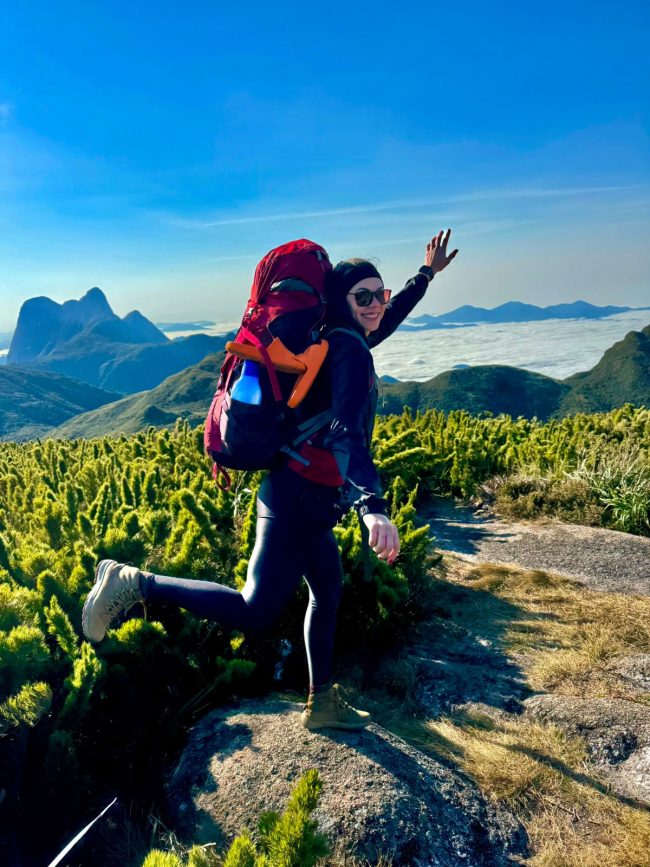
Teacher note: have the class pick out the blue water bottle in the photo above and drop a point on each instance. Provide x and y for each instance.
(247, 388)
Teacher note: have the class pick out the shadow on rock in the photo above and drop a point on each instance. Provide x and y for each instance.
(617, 733)
(460, 529)
(457, 655)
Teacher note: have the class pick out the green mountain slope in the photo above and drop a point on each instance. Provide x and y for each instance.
(125, 367)
(185, 395)
(621, 376)
(32, 402)
(485, 388)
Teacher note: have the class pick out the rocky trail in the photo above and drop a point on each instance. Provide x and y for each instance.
(617, 731)
(602, 559)
(382, 796)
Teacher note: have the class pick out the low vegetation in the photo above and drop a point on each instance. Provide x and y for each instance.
(607, 488)
(148, 499)
(591, 469)
(560, 636)
(67, 709)
(287, 840)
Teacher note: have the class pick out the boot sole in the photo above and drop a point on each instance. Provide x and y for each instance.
(99, 577)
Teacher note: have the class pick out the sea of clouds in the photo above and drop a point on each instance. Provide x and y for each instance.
(555, 347)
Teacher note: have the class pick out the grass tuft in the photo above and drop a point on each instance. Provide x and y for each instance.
(563, 637)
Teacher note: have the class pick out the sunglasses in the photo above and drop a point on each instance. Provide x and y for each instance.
(364, 297)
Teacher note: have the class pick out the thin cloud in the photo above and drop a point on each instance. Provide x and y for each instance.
(297, 215)
(537, 193)
(478, 227)
(6, 110)
(479, 195)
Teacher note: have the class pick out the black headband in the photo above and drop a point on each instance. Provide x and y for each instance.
(346, 274)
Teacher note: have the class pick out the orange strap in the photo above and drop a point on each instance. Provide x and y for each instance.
(306, 365)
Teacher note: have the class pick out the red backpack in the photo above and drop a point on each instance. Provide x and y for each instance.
(279, 331)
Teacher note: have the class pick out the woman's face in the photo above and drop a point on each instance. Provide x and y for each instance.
(367, 317)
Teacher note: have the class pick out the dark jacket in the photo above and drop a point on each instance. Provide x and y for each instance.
(348, 384)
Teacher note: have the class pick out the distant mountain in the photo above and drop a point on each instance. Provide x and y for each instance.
(85, 340)
(148, 366)
(487, 388)
(31, 402)
(44, 326)
(621, 376)
(513, 311)
(185, 395)
(5, 339)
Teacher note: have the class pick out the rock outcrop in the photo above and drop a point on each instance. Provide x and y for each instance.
(617, 733)
(380, 795)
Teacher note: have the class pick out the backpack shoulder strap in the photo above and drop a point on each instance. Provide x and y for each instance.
(350, 331)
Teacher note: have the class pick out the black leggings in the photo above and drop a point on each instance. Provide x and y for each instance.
(293, 539)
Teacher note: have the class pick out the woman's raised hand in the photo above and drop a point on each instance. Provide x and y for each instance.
(436, 253)
(383, 537)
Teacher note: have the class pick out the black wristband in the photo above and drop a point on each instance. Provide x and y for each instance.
(372, 505)
(427, 271)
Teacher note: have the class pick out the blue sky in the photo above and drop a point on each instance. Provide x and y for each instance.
(159, 150)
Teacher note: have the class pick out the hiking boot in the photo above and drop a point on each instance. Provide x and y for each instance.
(330, 710)
(116, 589)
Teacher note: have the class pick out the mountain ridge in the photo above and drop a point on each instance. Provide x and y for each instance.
(513, 311)
(31, 400)
(44, 326)
(485, 388)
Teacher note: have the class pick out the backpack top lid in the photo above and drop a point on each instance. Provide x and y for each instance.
(302, 259)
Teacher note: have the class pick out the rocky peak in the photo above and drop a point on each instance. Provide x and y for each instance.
(90, 307)
(46, 327)
(143, 329)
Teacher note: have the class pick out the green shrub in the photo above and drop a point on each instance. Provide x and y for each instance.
(149, 499)
(523, 496)
(162, 859)
(620, 479)
(26, 707)
(287, 840)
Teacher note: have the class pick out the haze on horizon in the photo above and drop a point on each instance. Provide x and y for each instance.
(159, 152)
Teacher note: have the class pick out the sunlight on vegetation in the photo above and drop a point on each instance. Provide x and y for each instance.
(540, 773)
(150, 499)
(566, 633)
(591, 469)
(287, 840)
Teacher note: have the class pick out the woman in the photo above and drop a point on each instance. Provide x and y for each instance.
(297, 507)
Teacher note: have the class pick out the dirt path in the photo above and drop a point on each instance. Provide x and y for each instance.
(602, 559)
